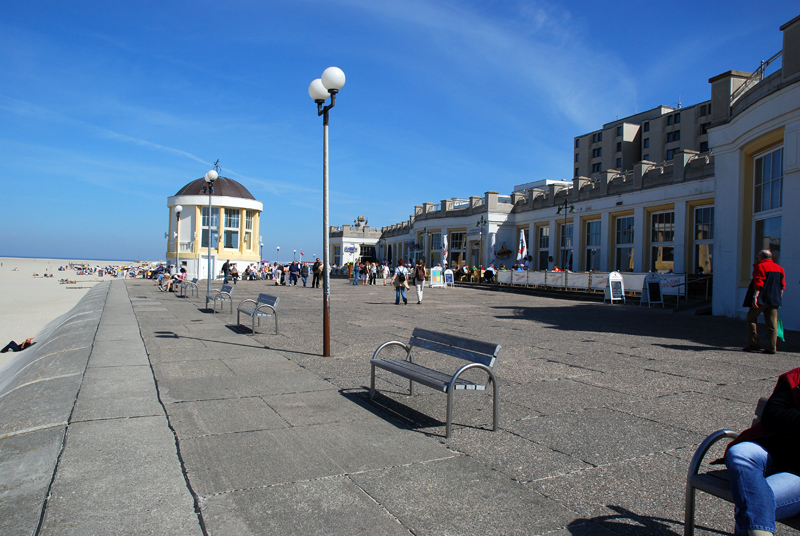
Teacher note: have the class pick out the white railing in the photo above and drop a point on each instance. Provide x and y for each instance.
(671, 284)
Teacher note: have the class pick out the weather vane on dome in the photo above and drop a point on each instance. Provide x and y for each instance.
(216, 167)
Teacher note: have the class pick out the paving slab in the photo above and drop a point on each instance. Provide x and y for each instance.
(117, 392)
(118, 474)
(27, 463)
(600, 436)
(216, 417)
(317, 407)
(119, 332)
(39, 404)
(118, 354)
(318, 507)
(459, 488)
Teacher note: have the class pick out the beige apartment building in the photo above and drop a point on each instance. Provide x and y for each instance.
(655, 135)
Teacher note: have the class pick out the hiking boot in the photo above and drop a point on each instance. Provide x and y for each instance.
(768, 351)
(751, 348)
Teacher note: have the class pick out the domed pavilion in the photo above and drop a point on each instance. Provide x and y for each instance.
(233, 227)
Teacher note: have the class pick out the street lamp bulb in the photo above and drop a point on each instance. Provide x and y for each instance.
(178, 209)
(317, 91)
(212, 175)
(279, 248)
(333, 78)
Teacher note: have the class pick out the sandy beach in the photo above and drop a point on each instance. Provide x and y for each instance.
(30, 303)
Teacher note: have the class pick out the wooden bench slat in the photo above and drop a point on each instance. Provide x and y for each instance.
(460, 342)
(460, 353)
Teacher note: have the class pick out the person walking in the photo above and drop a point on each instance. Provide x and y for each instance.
(400, 282)
(316, 269)
(277, 270)
(225, 268)
(373, 273)
(385, 272)
(419, 279)
(294, 272)
(355, 274)
(304, 273)
(764, 296)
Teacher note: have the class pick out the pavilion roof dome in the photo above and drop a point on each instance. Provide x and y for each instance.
(222, 186)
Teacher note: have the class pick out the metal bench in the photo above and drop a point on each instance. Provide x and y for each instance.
(264, 306)
(715, 482)
(225, 294)
(188, 285)
(480, 355)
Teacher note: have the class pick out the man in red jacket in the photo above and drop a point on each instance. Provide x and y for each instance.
(764, 296)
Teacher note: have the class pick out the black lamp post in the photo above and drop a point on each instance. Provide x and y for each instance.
(329, 85)
(565, 208)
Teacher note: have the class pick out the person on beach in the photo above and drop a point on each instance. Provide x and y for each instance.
(400, 282)
(14, 347)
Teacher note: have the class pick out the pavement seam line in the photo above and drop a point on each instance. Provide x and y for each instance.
(196, 500)
(56, 466)
(379, 505)
(326, 477)
(41, 381)
(33, 429)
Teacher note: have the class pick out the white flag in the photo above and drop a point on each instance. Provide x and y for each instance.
(444, 250)
(493, 241)
(523, 250)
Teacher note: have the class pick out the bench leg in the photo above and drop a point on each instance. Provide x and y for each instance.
(372, 383)
(688, 520)
(495, 408)
(448, 424)
(276, 321)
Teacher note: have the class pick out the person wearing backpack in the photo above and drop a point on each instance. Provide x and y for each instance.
(400, 282)
(419, 279)
(304, 273)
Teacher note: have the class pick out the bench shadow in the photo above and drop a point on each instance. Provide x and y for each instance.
(396, 413)
(173, 335)
(620, 523)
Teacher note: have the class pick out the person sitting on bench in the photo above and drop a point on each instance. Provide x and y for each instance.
(763, 465)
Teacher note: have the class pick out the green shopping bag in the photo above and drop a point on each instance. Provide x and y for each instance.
(780, 326)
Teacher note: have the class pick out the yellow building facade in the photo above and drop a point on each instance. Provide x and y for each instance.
(232, 227)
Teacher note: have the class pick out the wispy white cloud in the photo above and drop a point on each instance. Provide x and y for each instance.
(537, 50)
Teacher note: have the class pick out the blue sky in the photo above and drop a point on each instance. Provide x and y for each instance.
(108, 108)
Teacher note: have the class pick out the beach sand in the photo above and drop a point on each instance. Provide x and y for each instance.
(30, 303)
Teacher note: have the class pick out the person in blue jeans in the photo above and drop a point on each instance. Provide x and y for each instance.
(763, 463)
(400, 282)
(355, 274)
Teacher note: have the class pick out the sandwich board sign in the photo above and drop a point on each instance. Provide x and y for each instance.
(615, 290)
(448, 278)
(651, 290)
(436, 277)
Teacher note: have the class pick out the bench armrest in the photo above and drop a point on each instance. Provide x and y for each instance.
(246, 301)
(257, 309)
(468, 366)
(704, 447)
(393, 343)
(220, 293)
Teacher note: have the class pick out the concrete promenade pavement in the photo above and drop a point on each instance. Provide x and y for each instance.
(186, 424)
